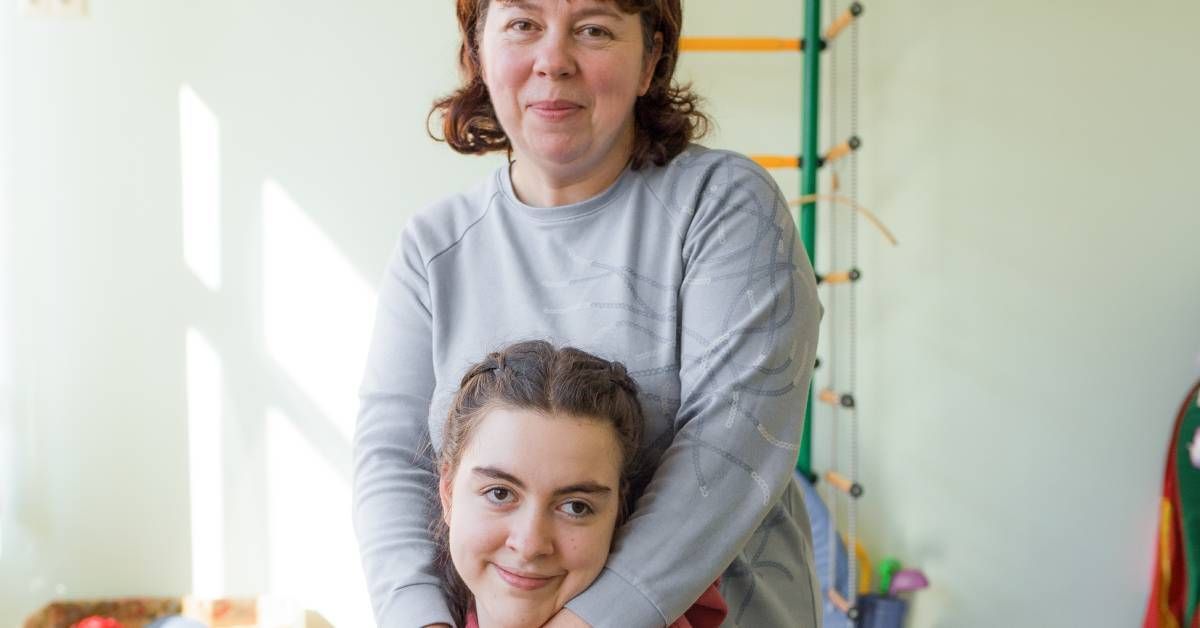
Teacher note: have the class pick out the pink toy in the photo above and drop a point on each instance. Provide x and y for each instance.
(907, 580)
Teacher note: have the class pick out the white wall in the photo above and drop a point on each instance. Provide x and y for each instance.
(1021, 352)
(319, 117)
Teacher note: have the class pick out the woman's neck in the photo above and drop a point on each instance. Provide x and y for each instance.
(539, 186)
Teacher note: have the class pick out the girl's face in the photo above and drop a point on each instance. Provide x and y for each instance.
(563, 76)
(531, 510)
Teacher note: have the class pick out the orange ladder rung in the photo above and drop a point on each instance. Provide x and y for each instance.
(841, 150)
(843, 20)
(845, 276)
(795, 161)
(829, 396)
(844, 484)
(740, 44)
(777, 161)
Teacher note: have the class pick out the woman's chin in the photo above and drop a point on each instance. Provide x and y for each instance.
(557, 151)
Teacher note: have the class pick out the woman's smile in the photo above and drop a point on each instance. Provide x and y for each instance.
(555, 110)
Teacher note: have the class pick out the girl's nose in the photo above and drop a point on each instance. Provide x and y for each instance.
(531, 537)
(555, 58)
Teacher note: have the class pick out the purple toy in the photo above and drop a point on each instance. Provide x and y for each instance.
(907, 580)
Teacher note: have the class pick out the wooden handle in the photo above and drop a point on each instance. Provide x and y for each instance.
(842, 21)
(839, 601)
(845, 276)
(839, 151)
(739, 44)
(843, 484)
(829, 396)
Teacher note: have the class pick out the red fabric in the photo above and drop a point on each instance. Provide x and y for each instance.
(708, 611)
(96, 621)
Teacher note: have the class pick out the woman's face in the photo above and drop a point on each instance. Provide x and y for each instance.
(531, 510)
(563, 76)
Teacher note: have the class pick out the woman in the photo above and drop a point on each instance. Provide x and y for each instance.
(610, 231)
(537, 466)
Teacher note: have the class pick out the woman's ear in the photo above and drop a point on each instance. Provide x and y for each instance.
(445, 484)
(651, 64)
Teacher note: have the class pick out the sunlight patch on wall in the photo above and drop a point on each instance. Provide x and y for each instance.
(204, 394)
(317, 311)
(200, 167)
(313, 553)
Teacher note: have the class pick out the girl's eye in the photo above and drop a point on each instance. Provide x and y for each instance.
(499, 495)
(576, 508)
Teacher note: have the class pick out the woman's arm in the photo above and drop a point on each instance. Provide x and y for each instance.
(393, 470)
(748, 320)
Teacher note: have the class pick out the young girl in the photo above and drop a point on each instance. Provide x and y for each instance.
(538, 467)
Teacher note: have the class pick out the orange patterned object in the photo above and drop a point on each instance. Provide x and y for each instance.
(141, 612)
(125, 613)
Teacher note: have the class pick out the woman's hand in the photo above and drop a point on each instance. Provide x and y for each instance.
(566, 619)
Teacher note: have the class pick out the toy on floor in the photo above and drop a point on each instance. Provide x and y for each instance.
(887, 568)
(906, 581)
(880, 607)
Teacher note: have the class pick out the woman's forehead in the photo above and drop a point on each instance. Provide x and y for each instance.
(610, 7)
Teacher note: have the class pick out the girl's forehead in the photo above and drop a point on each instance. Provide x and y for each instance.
(544, 448)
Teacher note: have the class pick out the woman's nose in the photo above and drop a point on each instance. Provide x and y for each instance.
(555, 58)
(531, 536)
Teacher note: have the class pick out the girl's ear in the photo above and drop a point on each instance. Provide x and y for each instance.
(445, 483)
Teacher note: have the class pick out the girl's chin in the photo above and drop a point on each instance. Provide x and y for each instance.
(512, 613)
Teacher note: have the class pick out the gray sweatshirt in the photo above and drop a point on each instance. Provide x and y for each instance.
(692, 275)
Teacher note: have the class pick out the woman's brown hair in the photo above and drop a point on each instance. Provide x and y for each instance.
(666, 118)
(534, 375)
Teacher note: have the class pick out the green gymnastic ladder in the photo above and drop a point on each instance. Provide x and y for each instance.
(809, 161)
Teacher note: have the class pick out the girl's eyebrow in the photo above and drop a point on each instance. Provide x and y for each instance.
(497, 474)
(589, 487)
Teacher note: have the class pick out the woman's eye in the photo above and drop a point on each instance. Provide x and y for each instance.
(499, 495)
(522, 26)
(595, 32)
(577, 509)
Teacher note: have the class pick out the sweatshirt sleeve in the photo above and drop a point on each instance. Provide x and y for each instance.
(393, 471)
(748, 319)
